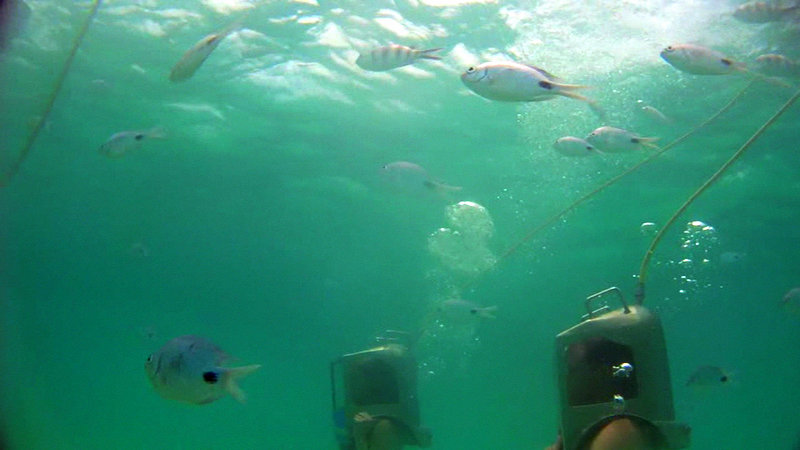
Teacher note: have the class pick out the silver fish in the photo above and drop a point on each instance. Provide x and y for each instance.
(574, 146)
(189, 369)
(393, 56)
(457, 309)
(119, 144)
(508, 81)
(617, 140)
(413, 178)
(196, 56)
(777, 66)
(763, 12)
(706, 376)
(700, 60)
(791, 301)
(655, 114)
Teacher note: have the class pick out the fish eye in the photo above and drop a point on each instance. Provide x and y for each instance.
(670, 49)
(471, 69)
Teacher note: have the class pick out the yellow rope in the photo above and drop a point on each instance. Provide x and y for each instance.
(648, 255)
(625, 173)
(51, 100)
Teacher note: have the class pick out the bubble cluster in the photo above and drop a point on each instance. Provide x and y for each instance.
(698, 242)
(463, 246)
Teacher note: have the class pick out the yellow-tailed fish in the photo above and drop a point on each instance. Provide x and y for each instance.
(700, 60)
(190, 369)
(508, 81)
(393, 56)
(196, 56)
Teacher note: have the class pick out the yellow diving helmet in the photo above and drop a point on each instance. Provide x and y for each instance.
(614, 364)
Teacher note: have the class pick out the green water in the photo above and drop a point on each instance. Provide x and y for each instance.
(262, 222)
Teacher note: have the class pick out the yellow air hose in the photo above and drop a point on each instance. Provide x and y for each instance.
(51, 100)
(649, 254)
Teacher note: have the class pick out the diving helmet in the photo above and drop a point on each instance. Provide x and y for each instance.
(614, 364)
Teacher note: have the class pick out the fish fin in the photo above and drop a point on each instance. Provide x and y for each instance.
(230, 377)
(648, 142)
(546, 74)
(426, 54)
(596, 109)
(488, 312)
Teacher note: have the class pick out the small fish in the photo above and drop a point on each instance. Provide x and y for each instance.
(791, 301)
(508, 81)
(732, 257)
(763, 12)
(617, 140)
(700, 60)
(574, 146)
(623, 370)
(457, 309)
(656, 115)
(189, 369)
(706, 376)
(393, 56)
(777, 66)
(413, 178)
(123, 142)
(196, 56)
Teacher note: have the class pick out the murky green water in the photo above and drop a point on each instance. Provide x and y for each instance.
(263, 221)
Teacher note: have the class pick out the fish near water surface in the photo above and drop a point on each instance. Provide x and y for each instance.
(196, 56)
(699, 60)
(574, 146)
(393, 56)
(764, 12)
(190, 369)
(508, 81)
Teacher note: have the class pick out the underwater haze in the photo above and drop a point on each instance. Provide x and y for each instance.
(255, 204)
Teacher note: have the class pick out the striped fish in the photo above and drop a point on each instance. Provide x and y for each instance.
(777, 66)
(196, 56)
(393, 56)
(763, 12)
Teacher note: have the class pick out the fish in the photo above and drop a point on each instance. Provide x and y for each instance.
(119, 144)
(617, 140)
(791, 301)
(699, 60)
(706, 376)
(459, 310)
(196, 56)
(574, 146)
(190, 369)
(656, 115)
(413, 178)
(509, 81)
(393, 56)
(763, 12)
(775, 65)
(732, 257)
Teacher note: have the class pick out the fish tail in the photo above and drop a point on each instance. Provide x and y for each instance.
(157, 132)
(488, 312)
(649, 142)
(596, 109)
(426, 54)
(232, 375)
